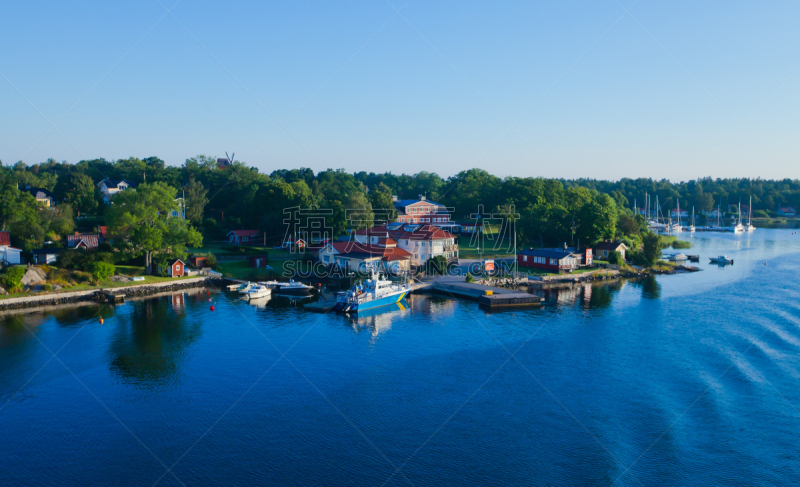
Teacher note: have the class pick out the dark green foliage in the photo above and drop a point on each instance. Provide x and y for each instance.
(436, 266)
(681, 244)
(12, 278)
(615, 258)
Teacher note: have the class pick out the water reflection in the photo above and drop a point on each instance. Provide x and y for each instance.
(651, 289)
(379, 320)
(150, 343)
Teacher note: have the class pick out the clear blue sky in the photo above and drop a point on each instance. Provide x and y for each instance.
(677, 89)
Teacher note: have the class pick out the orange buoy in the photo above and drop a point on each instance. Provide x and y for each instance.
(101, 321)
(208, 293)
(212, 308)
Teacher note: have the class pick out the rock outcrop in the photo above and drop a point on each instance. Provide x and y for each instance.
(34, 276)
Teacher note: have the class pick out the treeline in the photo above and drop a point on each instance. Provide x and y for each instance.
(551, 211)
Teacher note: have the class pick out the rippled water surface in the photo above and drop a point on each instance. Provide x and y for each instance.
(683, 380)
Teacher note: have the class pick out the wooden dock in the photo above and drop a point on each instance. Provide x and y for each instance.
(487, 296)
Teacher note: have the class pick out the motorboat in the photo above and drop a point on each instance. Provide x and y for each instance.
(722, 259)
(245, 287)
(292, 287)
(678, 257)
(374, 293)
(257, 291)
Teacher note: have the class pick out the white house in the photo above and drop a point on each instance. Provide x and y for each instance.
(8, 254)
(421, 241)
(110, 187)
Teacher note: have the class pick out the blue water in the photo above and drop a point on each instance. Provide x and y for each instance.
(677, 380)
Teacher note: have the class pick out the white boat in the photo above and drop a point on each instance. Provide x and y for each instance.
(678, 257)
(244, 288)
(737, 227)
(749, 227)
(677, 227)
(290, 288)
(258, 291)
(692, 228)
(373, 293)
(722, 259)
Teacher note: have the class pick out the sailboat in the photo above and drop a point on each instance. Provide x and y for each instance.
(692, 228)
(738, 227)
(750, 227)
(677, 227)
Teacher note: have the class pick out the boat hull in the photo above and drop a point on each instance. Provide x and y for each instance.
(293, 291)
(377, 303)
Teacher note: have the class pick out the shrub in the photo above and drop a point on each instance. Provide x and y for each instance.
(211, 260)
(436, 265)
(101, 270)
(47, 287)
(470, 278)
(615, 258)
(13, 277)
(681, 244)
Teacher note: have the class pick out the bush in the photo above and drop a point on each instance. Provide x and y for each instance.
(470, 278)
(13, 278)
(681, 244)
(436, 265)
(101, 270)
(615, 258)
(211, 260)
(47, 287)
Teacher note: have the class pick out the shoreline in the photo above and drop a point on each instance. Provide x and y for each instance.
(34, 303)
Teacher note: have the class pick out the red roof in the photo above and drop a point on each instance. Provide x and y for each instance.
(89, 241)
(244, 233)
(5, 238)
(356, 249)
(423, 232)
(103, 231)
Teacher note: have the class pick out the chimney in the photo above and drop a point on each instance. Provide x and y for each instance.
(422, 197)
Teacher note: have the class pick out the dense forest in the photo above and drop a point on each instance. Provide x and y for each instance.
(240, 197)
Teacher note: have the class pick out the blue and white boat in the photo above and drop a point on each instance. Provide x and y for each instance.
(374, 293)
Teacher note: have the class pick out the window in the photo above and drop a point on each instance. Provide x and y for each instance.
(525, 258)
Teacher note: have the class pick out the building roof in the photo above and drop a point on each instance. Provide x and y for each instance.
(114, 183)
(782, 208)
(421, 232)
(609, 245)
(103, 230)
(387, 241)
(89, 241)
(403, 203)
(367, 251)
(549, 253)
(39, 193)
(5, 238)
(244, 233)
(173, 261)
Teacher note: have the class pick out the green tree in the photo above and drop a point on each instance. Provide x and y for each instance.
(196, 200)
(143, 217)
(597, 220)
(79, 191)
(101, 270)
(13, 278)
(651, 249)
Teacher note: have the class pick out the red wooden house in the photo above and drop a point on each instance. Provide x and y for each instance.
(553, 260)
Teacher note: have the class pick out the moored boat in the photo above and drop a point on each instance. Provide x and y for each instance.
(258, 291)
(374, 293)
(722, 259)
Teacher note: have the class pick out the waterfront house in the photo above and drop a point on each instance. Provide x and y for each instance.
(674, 213)
(257, 261)
(82, 241)
(242, 237)
(363, 257)
(43, 196)
(198, 262)
(421, 241)
(423, 211)
(8, 255)
(786, 211)
(45, 256)
(110, 187)
(294, 244)
(175, 268)
(553, 260)
(604, 249)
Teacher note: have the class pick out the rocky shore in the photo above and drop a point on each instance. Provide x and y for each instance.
(100, 294)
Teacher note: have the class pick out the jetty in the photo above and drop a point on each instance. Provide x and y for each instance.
(490, 297)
